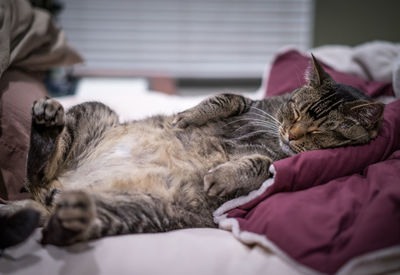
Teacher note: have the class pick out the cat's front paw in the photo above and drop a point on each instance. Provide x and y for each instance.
(180, 121)
(48, 112)
(220, 181)
(72, 220)
(187, 118)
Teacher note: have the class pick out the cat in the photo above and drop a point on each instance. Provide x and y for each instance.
(94, 177)
(16, 227)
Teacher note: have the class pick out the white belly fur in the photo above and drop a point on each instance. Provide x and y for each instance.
(137, 157)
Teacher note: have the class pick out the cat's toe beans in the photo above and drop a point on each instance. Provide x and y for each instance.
(38, 110)
(73, 218)
(54, 112)
(48, 112)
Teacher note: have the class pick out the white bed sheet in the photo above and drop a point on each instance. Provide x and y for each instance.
(188, 251)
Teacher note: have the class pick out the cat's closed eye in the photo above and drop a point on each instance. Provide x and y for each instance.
(294, 113)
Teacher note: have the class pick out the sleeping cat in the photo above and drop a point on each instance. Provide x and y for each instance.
(96, 177)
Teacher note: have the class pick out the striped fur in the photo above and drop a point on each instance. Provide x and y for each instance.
(96, 177)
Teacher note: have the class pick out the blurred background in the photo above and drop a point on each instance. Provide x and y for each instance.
(192, 47)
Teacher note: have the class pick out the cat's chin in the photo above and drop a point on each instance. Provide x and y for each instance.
(286, 148)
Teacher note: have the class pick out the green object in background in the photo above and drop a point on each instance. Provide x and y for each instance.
(352, 22)
(60, 82)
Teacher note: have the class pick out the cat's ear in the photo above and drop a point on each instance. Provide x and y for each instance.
(367, 113)
(317, 75)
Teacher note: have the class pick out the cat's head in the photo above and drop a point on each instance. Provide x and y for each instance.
(326, 114)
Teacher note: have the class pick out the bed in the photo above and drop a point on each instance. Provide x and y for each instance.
(322, 212)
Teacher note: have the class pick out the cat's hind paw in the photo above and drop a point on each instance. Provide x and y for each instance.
(72, 219)
(48, 112)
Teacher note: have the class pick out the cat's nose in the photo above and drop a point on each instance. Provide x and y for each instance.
(291, 136)
(296, 132)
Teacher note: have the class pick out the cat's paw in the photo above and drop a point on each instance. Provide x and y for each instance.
(72, 220)
(186, 118)
(48, 112)
(180, 121)
(17, 227)
(220, 181)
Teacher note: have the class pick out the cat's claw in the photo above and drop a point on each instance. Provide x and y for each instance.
(189, 117)
(48, 112)
(219, 181)
(180, 121)
(72, 220)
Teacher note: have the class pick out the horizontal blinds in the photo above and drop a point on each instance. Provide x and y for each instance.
(186, 38)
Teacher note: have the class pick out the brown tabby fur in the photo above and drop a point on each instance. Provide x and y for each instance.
(96, 177)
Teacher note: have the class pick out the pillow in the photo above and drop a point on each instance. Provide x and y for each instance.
(18, 90)
(30, 40)
(288, 73)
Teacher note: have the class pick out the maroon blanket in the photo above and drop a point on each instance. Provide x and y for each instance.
(325, 207)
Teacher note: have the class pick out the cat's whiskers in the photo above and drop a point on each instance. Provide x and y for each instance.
(266, 118)
(267, 126)
(268, 115)
(251, 119)
(256, 132)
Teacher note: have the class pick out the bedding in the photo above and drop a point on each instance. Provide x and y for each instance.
(374, 61)
(290, 66)
(30, 40)
(15, 117)
(213, 251)
(30, 44)
(196, 251)
(323, 209)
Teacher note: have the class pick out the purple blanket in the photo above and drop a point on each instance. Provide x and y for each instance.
(326, 207)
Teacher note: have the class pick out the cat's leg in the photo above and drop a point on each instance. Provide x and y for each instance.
(81, 215)
(237, 177)
(21, 205)
(58, 139)
(17, 227)
(213, 108)
(48, 120)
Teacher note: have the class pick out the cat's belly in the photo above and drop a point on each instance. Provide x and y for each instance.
(144, 158)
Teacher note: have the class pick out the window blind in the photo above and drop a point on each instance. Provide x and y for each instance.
(185, 38)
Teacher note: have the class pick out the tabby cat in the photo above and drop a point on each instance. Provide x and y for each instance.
(96, 177)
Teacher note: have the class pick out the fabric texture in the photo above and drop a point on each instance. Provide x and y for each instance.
(325, 208)
(30, 40)
(288, 73)
(371, 60)
(196, 251)
(18, 90)
(30, 43)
